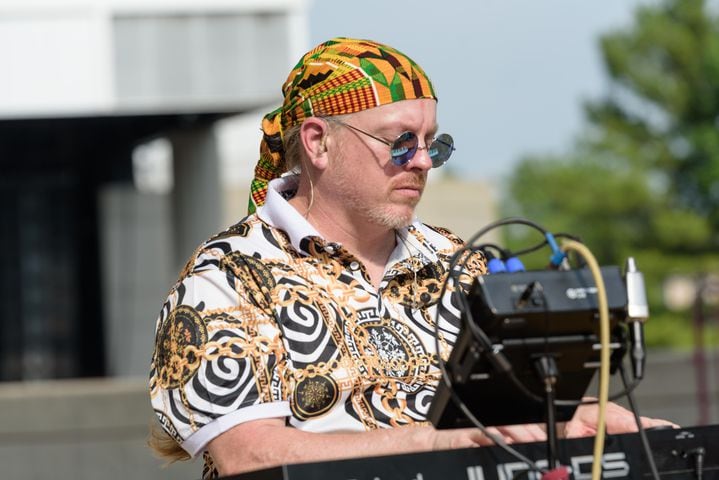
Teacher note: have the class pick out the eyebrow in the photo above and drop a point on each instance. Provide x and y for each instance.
(404, 127)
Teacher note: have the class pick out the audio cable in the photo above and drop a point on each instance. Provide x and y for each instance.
(604, 351)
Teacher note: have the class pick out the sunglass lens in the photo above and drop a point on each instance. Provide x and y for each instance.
(441, 149)
(403, 148)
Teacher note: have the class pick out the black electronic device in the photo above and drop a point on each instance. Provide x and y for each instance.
(527, 318)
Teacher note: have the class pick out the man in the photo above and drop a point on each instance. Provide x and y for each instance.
(306, 331)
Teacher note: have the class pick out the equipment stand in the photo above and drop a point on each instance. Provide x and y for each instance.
(548, 372)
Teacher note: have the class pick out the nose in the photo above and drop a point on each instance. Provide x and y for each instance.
(421, 159)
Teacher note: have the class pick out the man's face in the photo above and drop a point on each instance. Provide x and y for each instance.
(367, 183)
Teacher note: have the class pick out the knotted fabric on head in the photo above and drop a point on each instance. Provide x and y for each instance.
(340, 76)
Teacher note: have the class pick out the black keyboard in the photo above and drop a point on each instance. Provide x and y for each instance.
(677, 454)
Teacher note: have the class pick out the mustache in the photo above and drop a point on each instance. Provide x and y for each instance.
(412, 180)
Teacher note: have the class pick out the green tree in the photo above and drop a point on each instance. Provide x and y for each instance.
(643, 179)
(663, 111)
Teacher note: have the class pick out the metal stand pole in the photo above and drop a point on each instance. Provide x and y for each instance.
(547, 369)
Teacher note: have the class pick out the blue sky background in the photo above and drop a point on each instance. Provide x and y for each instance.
(510, 75)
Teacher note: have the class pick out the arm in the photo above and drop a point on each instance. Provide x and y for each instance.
(265, 443)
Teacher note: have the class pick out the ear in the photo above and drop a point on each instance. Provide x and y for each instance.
(313, 133)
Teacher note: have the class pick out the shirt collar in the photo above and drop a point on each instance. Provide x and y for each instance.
(277, 212)
(412, 241)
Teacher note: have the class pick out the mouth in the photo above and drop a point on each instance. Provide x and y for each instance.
(409, 187)
(411, 190)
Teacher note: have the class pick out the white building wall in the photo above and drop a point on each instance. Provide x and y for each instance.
(53, 60)
(112, 56)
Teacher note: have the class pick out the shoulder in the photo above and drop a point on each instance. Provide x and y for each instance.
(249, 238)
(249, 233)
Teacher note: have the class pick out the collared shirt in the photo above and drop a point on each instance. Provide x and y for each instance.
(270, 320)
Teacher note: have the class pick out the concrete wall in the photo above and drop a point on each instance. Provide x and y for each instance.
(671, 388)
(80, 429)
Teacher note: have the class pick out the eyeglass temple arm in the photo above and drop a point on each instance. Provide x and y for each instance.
(362, 132)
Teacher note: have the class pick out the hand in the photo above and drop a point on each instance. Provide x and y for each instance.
(458, 438)
(618, 420)
(473, 437)
(532, 432)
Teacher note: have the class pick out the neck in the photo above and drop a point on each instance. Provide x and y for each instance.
(368, 241)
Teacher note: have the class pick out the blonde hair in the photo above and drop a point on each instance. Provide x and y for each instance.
(164, 446)
(294, 151)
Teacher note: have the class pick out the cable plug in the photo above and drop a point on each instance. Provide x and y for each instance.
(514, 264)
(494, 264)
(637, 314)
(698, 455)
(637, 305)
(556, 260)
(558, 473)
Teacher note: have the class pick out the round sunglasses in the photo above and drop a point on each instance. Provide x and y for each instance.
(404, 147)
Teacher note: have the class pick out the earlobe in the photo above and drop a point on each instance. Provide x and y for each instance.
(314, 133)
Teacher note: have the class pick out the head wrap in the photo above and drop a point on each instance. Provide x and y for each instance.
(340, 76)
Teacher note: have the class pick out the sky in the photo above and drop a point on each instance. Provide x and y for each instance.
(510, 75)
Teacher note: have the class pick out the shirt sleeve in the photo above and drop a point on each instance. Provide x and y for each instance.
(219, 360)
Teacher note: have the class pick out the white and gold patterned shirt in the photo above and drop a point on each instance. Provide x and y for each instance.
(269, 320)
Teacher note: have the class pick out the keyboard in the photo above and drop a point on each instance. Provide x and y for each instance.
(677, 453)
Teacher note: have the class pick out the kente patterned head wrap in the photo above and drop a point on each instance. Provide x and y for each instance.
(340, 76)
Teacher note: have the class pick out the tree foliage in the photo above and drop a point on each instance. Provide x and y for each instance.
(643, 178)
(663, 113)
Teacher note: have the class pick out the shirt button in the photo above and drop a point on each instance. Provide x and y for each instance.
(354, 266)
(332, 248)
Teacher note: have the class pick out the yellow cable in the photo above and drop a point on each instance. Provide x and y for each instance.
(584, 252)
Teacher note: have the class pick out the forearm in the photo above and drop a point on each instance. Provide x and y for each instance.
(299, 446)
(262, 444)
